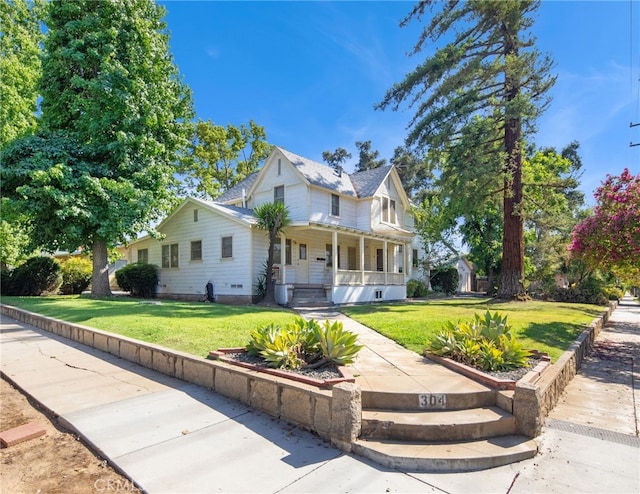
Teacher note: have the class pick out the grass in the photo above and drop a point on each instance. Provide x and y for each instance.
(197, 328)
(190, 327)
(545, 326)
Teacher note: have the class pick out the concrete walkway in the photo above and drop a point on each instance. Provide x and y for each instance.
(170, 436)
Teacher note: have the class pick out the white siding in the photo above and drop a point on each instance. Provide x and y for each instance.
(191, 277)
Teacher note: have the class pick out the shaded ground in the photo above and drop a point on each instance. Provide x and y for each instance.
(54, 463)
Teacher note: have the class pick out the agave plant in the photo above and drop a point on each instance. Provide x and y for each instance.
(338, 346)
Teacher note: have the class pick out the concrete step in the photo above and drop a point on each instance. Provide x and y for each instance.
(435, 425)
(464, 456)
(387, 400)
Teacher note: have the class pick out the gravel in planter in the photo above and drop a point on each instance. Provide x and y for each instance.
(323, 373)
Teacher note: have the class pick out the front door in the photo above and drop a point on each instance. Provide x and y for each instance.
(302, 264)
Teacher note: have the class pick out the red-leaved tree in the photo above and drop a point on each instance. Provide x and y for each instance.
(610, 238)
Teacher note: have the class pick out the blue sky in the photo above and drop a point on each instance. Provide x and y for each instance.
(310, 73)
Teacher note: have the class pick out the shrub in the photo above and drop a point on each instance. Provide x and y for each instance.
(416, 288)
(139, 279)
(6, 282)
(303, 344)
(591, 290)
(486, 343)
(445, 280)
(76, 275)
(36, 276)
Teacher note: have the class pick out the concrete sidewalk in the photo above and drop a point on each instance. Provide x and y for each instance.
(174, 437)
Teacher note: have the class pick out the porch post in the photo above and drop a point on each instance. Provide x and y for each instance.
(385, 261)
(362, 259)
(283, 260)
(334, 256)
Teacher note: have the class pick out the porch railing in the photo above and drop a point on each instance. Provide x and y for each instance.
(345, 277)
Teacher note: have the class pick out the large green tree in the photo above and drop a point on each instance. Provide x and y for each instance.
(223, 156)
(115, 117)
(20, 69)
(553, 205)
(484, 64)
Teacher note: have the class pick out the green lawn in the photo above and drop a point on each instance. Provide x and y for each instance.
(196, 327)
(545, 326)
(192, 327)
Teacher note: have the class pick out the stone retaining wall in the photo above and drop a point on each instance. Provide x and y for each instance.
(329, 413)
(532, 401)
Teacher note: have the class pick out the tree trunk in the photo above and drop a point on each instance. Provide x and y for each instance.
(512, 270)
(100, 276)
(269, 294)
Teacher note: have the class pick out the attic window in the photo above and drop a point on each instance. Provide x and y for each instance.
(279, 166)
(195, 215)
(278, 194)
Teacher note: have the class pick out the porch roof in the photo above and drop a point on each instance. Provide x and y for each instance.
(397, 235)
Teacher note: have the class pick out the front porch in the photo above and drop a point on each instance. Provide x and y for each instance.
(350, 266)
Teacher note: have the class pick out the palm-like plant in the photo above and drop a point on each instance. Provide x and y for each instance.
(273, 218)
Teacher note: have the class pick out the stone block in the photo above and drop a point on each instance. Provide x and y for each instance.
(264, 395)
(199, 372)
(101, 342)
(130, 351)
(346, 415)
(87, 336)
(232, 383)
(162, 361)
(296, 406)
(113, 345)
(322, 416)
(145, 354)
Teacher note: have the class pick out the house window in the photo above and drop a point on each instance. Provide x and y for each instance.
(287, 251)
(195, 215)
(278, 194)
(170, 256)
(392, 211)
(279, 166)
(414, 258)
(303, 252)
(227, 247)
(196, 250)
(335, 205)
(400, 259)
(351, 258)
(143, 256)
(385, 209)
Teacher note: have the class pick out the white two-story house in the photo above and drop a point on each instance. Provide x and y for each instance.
(350, 235)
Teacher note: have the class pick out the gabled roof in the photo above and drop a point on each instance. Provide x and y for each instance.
(358, 185)
(321, 175)
(235, 192)
(367, 182)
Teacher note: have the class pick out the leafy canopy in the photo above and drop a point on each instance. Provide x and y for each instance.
(115, 118)
(610, 237)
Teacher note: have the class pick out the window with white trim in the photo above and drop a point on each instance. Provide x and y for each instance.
(335, 205)
(170, 256)
(227, 247)
(278, 194)
(196, 250)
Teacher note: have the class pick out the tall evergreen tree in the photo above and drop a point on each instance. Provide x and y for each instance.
(337, 158)
(368, 159)
(488, 67)
(115, 116)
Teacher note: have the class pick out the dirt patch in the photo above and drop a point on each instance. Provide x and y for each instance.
(54, 463)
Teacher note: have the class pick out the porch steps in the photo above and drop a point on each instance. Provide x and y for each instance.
(309, 296)
(458, 432)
